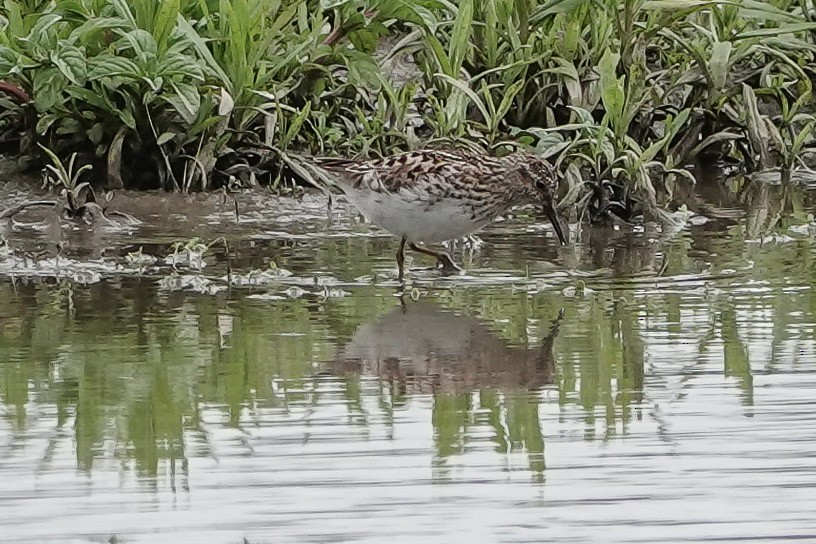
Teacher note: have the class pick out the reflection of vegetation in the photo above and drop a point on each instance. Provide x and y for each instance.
(735, 354)
(124, 365)
(513, 420)
(451, 413)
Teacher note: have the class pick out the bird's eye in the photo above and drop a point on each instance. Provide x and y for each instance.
(541, 186)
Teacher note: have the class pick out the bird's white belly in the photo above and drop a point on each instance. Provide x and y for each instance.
(407, 215)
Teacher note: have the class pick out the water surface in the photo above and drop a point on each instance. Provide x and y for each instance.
(307, 402)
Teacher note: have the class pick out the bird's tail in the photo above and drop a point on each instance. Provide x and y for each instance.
(333, 163)
(317, 171)
(313, 171)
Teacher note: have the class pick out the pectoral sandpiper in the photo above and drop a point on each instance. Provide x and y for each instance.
(431, 196)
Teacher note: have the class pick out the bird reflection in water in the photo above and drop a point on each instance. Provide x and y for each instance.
(477, 380)
(420, 348)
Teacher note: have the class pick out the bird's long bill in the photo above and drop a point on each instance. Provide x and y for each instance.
(552, 214)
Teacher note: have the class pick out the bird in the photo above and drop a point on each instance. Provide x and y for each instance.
(432, 195)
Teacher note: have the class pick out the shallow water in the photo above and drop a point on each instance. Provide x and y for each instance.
(307, 402)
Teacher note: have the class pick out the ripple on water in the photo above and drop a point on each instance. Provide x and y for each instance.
(305, 403)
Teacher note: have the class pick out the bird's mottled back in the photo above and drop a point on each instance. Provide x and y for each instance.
(518, 176)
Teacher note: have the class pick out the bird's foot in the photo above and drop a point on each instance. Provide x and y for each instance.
(446, 264)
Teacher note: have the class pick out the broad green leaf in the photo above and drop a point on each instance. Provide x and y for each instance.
(283, 63)
(13, 14)
(507, 100)
(571, 79)
(109, 65)
(678, 4)
(47, 88)
(96, 133)
(750, 9)
(757, 130)
(802, 136)
(460, 36)
(584, 116)
(362, 70)
(470, 93)
(204, 52)
(413, 12)
(8, 59)
(91, 27)
(180, 65)
(91, 98)
(126, 115)
(718, 66)
(166, 137)
(439, 54)
(123, 10)
(675, 125)
(714, 138)
(331, 4)
(165, 22)
(45, 122)
(41, 35)
(142, 43)
(366, 39)
(186, 100)
(72, 63)
(297, 122)
(766, 11)
(612, 91)
(283, 19)
(552, 7)
(776, 31)
(789, 42)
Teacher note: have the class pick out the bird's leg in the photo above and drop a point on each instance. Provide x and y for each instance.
(401, 259)
(442, 258)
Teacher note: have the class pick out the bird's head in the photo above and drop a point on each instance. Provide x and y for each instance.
(542, 181)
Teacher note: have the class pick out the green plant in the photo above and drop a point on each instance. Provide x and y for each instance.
(194, 91)
(67, 178)
(796, 126)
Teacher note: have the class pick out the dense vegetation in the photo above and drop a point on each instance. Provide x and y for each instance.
(196, 94)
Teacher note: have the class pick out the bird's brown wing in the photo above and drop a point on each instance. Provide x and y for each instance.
(406, 170)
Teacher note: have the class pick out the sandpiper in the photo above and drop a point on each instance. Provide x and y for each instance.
(432, 196)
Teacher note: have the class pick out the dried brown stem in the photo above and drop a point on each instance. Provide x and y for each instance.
(20, 96)
(339, 31)
(334, 36)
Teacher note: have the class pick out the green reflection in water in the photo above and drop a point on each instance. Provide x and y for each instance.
(128, 369)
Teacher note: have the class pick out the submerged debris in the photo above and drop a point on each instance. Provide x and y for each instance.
(190, 282)
(579, 290)
(772, 239)
(189, 258)
(257, 278)
(59, 267)
(807, 229)
(265, 297)
(469, 243)
(137, 258)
